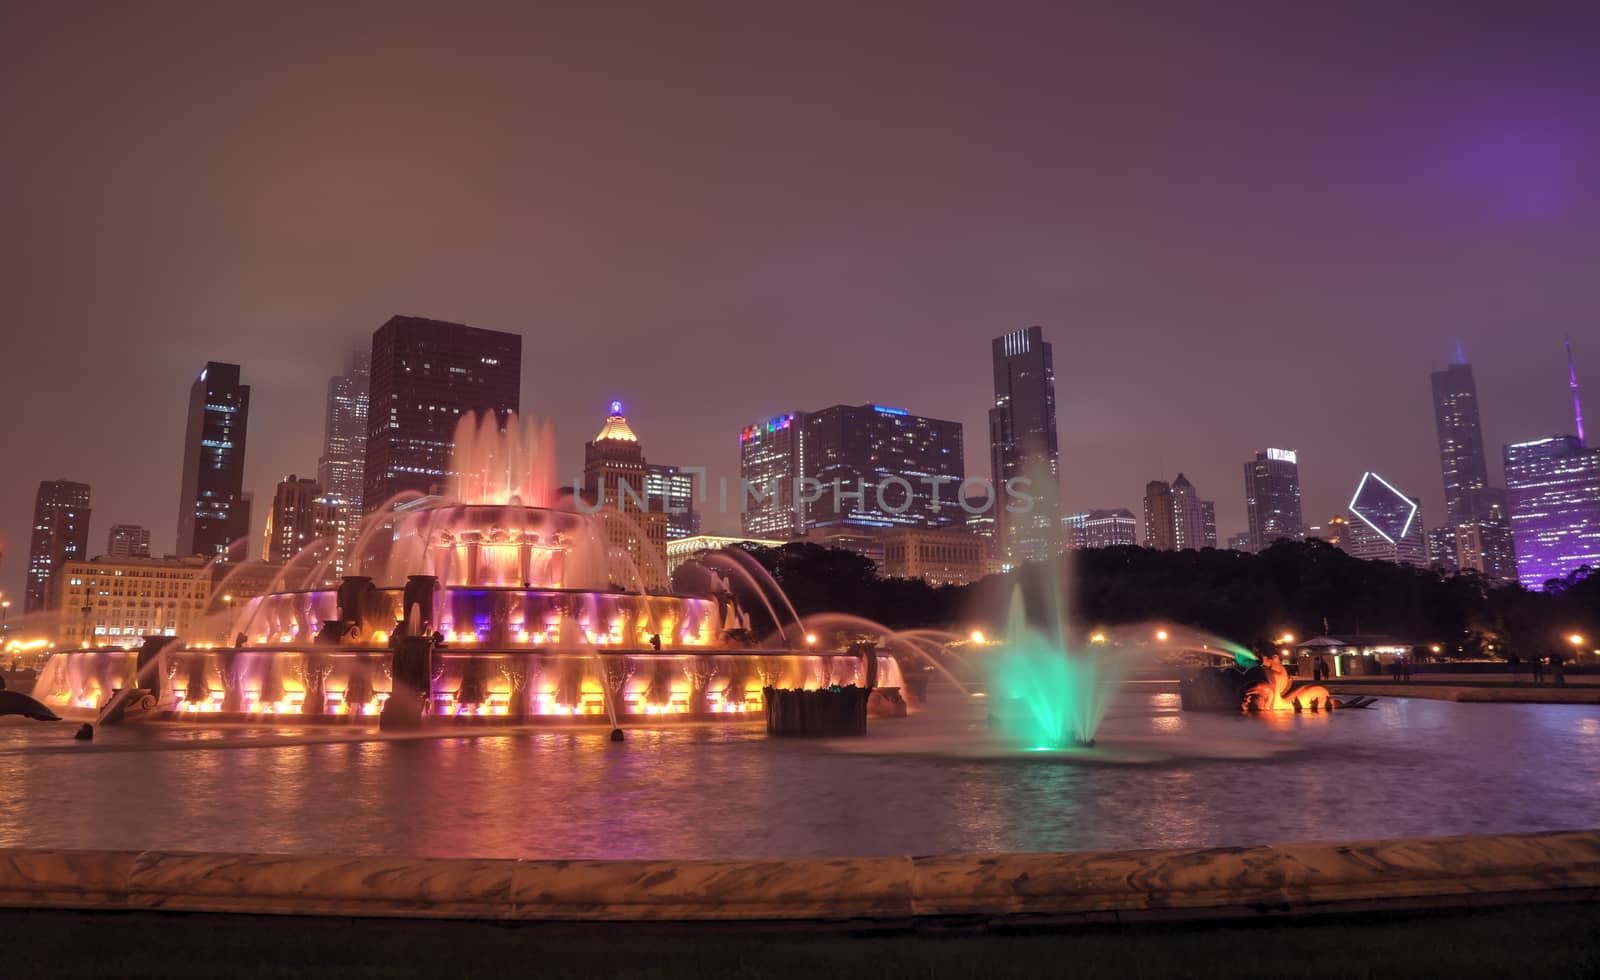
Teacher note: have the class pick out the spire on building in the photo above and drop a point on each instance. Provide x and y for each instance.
(1461, 354)
(1572, 382)
(616, 426)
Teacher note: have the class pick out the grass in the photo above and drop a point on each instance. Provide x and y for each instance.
(1520, 941)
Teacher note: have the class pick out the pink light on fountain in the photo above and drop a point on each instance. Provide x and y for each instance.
(514, 463)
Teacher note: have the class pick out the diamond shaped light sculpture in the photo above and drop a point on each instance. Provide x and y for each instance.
(1383, 508)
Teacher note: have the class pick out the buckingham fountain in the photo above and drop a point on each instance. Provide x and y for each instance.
(492, 602)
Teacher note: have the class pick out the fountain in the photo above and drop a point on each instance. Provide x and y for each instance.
(1046, 695)
(493, 601)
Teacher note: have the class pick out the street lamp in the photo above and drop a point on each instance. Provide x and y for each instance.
(977, 637)
(811, 639)
(1576, 640)
(1161, 635)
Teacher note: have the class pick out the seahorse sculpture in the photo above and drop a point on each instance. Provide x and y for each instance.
(1273, 694)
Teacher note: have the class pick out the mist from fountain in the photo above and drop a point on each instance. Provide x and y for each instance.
(1047, 695)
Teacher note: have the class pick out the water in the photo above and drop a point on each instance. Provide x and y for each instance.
(934, 783)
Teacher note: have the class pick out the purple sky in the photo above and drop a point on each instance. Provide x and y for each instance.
(1238, 228)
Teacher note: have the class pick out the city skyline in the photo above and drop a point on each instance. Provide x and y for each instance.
(1174, 292)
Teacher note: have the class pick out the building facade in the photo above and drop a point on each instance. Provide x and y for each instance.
(674, 487)
(1272, 497)
(213, 513)
(128, 541)
(1554, 490)
(1442, 549)
(938, 557)
(875, 466)
(60, 533)
(1104, 528)
(1023, 446)
(1486, 546)
(301, 514)
(341, 469)
(119, 601)
(1176, 519)
(680, 550)
(769, 468)
(425, 375)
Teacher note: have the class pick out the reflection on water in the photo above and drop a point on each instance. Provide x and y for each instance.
(936, 782)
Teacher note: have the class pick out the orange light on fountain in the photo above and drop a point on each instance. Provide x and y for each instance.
(379, 636)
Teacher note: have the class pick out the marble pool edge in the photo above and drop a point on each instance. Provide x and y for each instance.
(1084, 886)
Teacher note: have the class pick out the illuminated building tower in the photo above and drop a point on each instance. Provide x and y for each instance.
(614, 474)
(1338, 527)
(60, 533)
(213, 514)
(341, 470)
(878, 466)
(1160, 531)
(426, 374)
(1554, 489)
(123, 600)
(1208, 524)
(1461, 456)
(1486, 546)
(128, 541)
(674, 488)
(1272, 497)
(769, 465)
(1442, 552)
(1239, 542)
(1386, 524)
(1022, 445)
(301, 514)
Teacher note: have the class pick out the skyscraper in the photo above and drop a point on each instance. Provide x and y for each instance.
(425, 375)
(769, 465)
(1461, 455)
(877, 467)
(1023, 447)
(674, 487)
(128, 541)
(1387, 524)
(341, 468)
(1487, 546)
(1442, 552)
(1160, 531)
(614, 477)
(1554, 490)
(1272, 497)
(867, 466)
(60, 533)
(300, 515)
(213, 515)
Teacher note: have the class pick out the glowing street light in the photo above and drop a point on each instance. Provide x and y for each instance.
(1576, 639)
(1161, 635)
(1097, 637)
(977, 636)
(811, 639)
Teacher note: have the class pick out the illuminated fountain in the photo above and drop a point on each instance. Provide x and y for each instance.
(1046, 693)
(491, 601)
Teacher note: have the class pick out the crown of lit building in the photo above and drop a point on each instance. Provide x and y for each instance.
(616, 427)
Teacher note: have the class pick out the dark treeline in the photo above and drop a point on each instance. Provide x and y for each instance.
(1291, 586)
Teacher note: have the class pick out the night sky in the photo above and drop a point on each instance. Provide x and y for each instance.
(1239, 229)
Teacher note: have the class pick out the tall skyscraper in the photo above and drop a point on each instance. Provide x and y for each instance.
(301, 514)
(341, 470)
(675, 488)
(1176, 519)
(614, 479)
(60, 533)
(213, 515)
(1022, 445)
(128, 541)
(1159, 530)
(425, 375)
(1487, 546)
(1272, 497)
(872, 466)
(1461, 455)
(1554, 490)
(1386, 525)
(769, 465)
